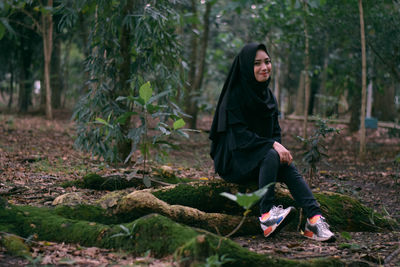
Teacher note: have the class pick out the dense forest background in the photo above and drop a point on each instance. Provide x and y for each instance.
(90, 56)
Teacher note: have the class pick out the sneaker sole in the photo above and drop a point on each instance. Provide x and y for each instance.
(276, 228)
(311, 235)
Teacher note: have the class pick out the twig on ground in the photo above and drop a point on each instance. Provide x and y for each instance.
(392, 255)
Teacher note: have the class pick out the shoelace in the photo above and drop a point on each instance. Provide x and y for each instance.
(276, 207)
(323, 224)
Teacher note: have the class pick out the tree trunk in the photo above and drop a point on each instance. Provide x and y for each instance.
(300, 95)
(196, 72)
(25, 85)
(47, 34)
(307, 84)
(189, 88)
(125, 145)
(363, 83)
(277, 68)
(320, 107)
(56, 79)
(11, 85)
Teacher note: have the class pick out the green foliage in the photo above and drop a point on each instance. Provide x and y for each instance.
(346, 235)
(14, 245)
(129, 45)
(129, 233)
(315, 147)
(247, 200)
(216, 260)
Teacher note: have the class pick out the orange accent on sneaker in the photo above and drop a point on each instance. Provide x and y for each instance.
(314, 219)
(267, 231)
(308, 234)
(265, 216)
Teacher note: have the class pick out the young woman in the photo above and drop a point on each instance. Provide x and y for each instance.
(246, 142)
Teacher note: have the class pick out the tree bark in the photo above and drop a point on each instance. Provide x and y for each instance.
(320, 107)
(299, 109)
(363, 82)
(24, 79)
(196, 72)
(307, 84)
(125, 145)
(11, 85)
(56, 77)
(47, 34)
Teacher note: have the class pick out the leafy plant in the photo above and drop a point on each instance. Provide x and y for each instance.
(216, 260)
(125, 231)
(144, 107)
(246, 201)
(315, 147)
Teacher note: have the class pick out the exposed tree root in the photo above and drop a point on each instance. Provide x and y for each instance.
(154, 232)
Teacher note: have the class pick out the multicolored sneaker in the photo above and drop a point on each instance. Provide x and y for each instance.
(272, 220)
(318, 230)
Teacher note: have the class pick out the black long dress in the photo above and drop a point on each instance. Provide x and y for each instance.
(245, 123)
(243, 131)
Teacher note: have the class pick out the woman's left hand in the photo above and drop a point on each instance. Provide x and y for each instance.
(284, 154)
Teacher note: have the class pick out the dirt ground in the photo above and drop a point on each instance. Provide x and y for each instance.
(37, 155)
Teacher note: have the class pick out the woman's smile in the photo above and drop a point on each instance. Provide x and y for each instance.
(262, 66)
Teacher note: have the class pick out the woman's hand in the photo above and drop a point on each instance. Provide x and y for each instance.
(284, 154)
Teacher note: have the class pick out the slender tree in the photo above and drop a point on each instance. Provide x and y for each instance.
(307, 83)
(363, 81)
(46, 29)
(197, 61)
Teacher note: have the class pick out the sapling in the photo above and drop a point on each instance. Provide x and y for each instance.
(315, 147)
(143, 106)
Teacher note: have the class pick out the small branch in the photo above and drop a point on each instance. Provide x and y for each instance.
(151, 179)
(13, 191)
(35, 22)
(392, 256)
(237, 227)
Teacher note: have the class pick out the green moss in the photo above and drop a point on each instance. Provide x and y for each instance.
(3, 203)
(156, 233)
(97, 182)
(203, 196)
(87, 213)
(348, 214)
(195, 252)
(14, 245)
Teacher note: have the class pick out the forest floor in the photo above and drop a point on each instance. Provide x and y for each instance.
(37, 156)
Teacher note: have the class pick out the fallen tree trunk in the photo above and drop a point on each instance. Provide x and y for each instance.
(141, 203)
(154, 232)
(202, 206)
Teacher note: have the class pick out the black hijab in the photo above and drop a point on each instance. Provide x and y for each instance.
(241, 89)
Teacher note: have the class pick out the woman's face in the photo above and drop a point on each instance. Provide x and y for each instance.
(262, 66)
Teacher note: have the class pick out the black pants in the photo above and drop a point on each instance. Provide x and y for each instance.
(271, 170)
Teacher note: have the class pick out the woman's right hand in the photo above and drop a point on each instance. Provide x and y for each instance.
(284, 154)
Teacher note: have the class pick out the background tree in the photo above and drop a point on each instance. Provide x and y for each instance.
(364, 81)
(130, 43)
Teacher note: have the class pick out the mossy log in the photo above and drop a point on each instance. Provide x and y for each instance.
(121, 181)
(198, 249)
(14, 245)
(201, 205)
(144, 202)
(153, 232)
